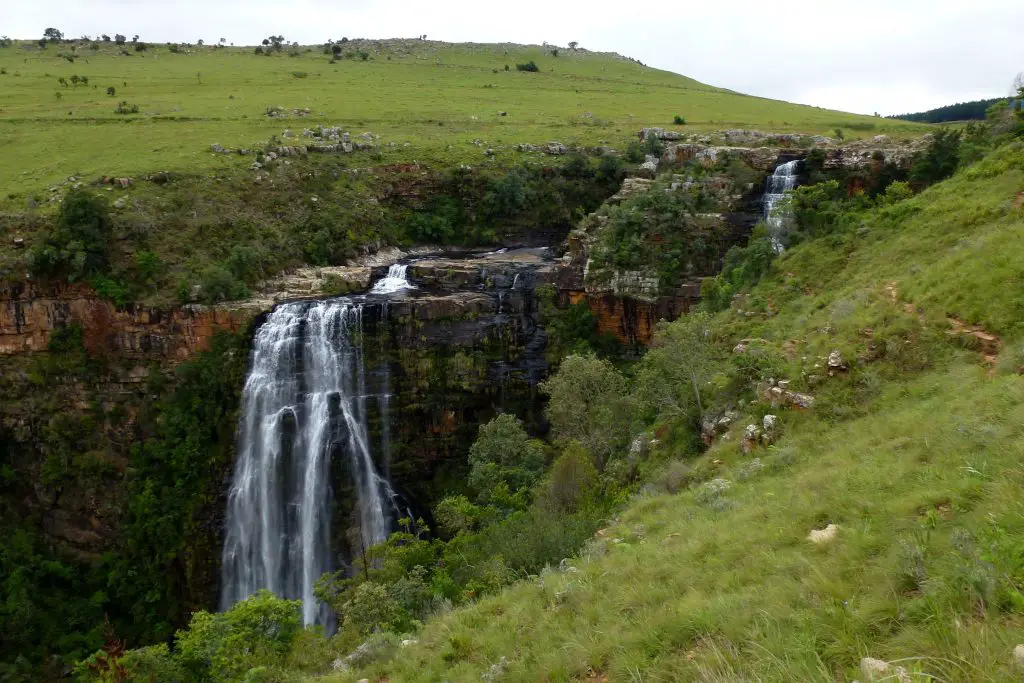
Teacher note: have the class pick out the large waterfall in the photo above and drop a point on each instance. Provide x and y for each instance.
(779, 183)
(304, 402)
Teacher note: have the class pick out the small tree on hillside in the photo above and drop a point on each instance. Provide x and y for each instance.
(590, 403)
(120, 39)
(678, 365)
(79, 246)
(573, 45)
(504, 455)
(53, 35)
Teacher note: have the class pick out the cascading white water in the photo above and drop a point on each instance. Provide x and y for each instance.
(778, 184)
(304, 400)
(394, 281)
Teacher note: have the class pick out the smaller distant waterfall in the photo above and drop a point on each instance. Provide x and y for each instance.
(395, 281)
(779, 183)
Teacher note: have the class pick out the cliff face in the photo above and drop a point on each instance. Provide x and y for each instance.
(30, 312)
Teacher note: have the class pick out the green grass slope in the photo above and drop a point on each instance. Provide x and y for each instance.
(915, 453)
(436, 97)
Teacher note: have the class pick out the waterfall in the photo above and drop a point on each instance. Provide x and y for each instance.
(394, 281)
(303, 403)
(778, 184)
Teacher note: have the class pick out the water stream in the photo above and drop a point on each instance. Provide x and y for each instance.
(780, 182)
(305, 402)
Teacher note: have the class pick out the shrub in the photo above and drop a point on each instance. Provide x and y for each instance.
(573, 478)
(79, 246)
(528, 66)
(589, 404)
(258, 50)
(112, 91)
(679, 120)
(220, 284)
(939, 161)
(503, 453)
(255, 632)
(300, 74)
(125, 108)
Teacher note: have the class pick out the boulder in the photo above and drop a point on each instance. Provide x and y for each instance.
(836, 363)
(877, 670)
(556, 148)
(823, 536)
(751, 437)
(1018, 656)
(770, 425)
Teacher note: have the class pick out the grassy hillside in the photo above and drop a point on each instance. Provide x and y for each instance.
(436, 98)
(914, 452)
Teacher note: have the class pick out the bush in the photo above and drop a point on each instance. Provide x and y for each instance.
(220, 284)
(589, 404)
(112, 91)
(573, 478)
(939, 161)
(528, 66)
(679, 120)
(79, 246)
(503, 453)
(125, 108)
(255, 632)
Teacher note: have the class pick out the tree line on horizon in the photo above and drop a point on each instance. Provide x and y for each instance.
(961, 111)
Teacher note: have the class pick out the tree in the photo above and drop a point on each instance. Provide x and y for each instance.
(111, 91)
(200, 42)
(677, 366)
(590, 403)
(258, 631)
(939, 161)
(336, 49)
(53, 35)
(573, 477)
(106, 38)
(573, 45)
(120, 39)
(504, 453)
(135, 38)
(80, 244)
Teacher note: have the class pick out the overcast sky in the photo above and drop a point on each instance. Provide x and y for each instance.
(889, 56)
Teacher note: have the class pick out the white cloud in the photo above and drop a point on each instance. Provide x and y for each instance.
(888, 56)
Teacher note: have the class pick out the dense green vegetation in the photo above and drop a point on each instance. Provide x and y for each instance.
(52, 607)
(178, 243)
(962, 111)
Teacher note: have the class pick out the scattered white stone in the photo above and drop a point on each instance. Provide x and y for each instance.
(1018, 656)
(835, 362)
(876, 670)
(823, 536)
